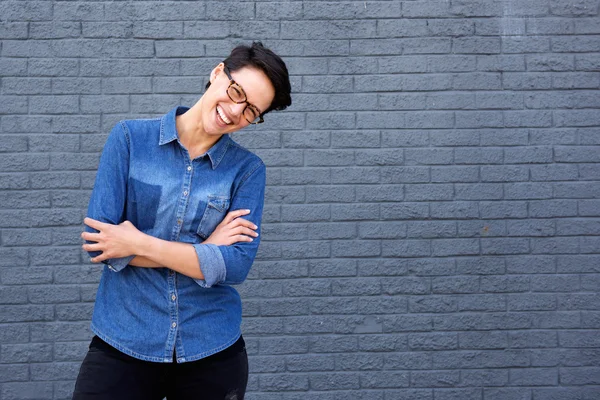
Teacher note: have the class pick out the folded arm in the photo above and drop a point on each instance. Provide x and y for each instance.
(125, 240)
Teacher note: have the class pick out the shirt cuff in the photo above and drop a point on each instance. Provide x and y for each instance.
(212, 264)
(117, 264)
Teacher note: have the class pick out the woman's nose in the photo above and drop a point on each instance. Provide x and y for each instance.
(238, 109)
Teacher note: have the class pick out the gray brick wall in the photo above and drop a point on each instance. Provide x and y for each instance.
(432, 227)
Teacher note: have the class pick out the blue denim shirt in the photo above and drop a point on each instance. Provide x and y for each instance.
(147, 177)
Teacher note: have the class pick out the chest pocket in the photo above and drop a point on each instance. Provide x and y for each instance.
(216, 209)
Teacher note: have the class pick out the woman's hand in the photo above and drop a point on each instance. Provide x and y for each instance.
(114, 241)
(233, 229)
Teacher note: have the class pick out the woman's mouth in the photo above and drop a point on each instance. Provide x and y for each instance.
(222, 117)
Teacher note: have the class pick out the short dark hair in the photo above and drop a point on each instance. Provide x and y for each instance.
(259, 57)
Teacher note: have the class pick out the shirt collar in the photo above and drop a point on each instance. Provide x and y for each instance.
(168, 133)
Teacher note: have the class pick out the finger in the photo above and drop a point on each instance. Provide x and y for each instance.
(243, 222)
(242, 238)
(92, 247)
(98, 259)
(89, 236)
(92, 223)
(235, 214)
(242, 230)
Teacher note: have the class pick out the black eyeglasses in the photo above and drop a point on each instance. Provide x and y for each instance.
(238, 96)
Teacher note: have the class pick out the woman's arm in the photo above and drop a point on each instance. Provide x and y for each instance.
(107, 202)
(124, 240)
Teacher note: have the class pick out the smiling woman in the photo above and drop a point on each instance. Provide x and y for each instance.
(175, 217)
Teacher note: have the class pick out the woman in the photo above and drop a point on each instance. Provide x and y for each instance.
(166, 318)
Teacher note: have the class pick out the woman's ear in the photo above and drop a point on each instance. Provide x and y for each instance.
(216, 71)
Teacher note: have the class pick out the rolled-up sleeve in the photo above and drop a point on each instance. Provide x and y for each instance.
(107, 202)
(230, 265)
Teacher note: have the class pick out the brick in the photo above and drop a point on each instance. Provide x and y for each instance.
(404, 138)
(405, 285)
(478, 191)
(26, 313)
(374, 230)
(401, 27)
(500, 27)
(426, 9)
(334, 306)
(531, 228)
(575, 190)
(476, 45)
(587, 339)
(479, 119)
(528, 81)
(432, 341)
(355, 213)
(64, 104)
(432, 304)
(578, 301)
(401, 64)
(564, 393)
(587, 62)
(428, 156)
(381, 268)
(318, 29)
(554, 173)
(431, 229)
(451, 27)
(590, 208)
(454, 174)
(580, 376)
(554, 245)
(26, 85)
(332, 344)
(527, 302)
(480, 265)
(482, 228)
(26, 353)
(527, 118)
(401, 101)
(454, 210)
(482, 340)
(432, 192)
(456, 284)
(384, 379)
(434, 378)
(504, 63)
(326, 84)
(26, 390)
(106, 29)
(426, 46)
(506, 394)
(333, 194)
(503, 209)
(575, 80)
(382, 305)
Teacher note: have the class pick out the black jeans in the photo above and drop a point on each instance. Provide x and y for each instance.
(108, 374)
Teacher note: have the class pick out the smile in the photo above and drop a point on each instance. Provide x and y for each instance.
(223, 116)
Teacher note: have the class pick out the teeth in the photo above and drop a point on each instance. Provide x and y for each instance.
(222, 115)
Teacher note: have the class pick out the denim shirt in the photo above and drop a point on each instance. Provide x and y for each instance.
(146, 176)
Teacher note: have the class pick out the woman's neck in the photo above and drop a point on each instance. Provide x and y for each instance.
(191, 134)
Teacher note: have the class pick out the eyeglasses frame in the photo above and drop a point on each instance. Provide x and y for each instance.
(231, 83)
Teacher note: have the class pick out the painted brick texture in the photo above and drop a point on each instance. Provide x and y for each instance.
(432, 219)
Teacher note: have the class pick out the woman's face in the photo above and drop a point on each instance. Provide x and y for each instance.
(220, 115)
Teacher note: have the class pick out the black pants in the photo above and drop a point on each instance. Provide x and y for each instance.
(108, 374)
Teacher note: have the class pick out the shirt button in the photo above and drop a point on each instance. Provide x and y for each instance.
(174, 324)
(185, 193)
(189, 168)
(178, 222)
(173, 297)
